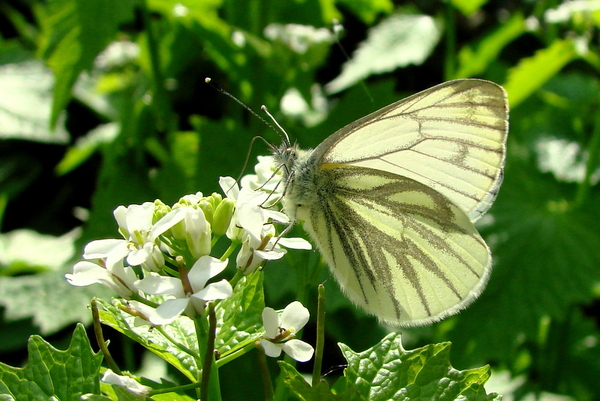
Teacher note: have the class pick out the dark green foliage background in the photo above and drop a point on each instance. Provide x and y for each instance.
(539, 316)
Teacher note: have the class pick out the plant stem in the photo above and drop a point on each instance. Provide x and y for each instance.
(316, 376)
(100, 339)
(264, 373)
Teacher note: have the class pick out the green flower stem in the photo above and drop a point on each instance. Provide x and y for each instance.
(209, 357)
(318, 362)
(237, 277)
(176, 389)
(214, 240)
(592, 161)
(229, 251)
(100, 339)
(264, 373)
(203, 332)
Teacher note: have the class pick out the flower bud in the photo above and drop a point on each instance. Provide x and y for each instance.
(222, 216)
(160, 209)
(197, 233)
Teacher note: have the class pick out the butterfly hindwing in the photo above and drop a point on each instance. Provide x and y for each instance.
(399, 249)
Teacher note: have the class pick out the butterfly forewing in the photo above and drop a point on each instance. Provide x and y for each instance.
(399, 249)
(450, 137)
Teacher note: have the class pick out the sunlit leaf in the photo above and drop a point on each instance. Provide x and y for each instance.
(26, 101)
(398, 41)
(54, 374)
(473, 60)
(533, 72)
(389, 372)
(74, 32)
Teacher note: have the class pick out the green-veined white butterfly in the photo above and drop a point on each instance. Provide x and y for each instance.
(390, 199)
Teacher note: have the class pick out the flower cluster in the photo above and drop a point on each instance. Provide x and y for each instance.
(163, 266)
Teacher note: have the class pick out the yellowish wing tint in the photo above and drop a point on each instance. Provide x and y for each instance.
(450, 138)
(399, 249)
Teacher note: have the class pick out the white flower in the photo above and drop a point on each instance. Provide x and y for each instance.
(118, 278)
(281, 329)
(252, 225)
(130, 383)
(140, 246)
(191, 302)
(267, 178)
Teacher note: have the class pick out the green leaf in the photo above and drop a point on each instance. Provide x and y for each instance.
(468, 7)
(399, 40)
(24, 251)
(25, 104)
(473, 60)
(74, 32)
(533, 72)
(181, 330)
(368, 10)
(546, 262)
(179, 170)
(387, 371)
(53, 374)
(239, 318)
(48, 298)
(321, 392)
(86, 146)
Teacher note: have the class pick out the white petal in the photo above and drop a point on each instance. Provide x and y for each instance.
(168, 311)
(137, 257)
(295, 243)
(252, 197)
(139, 217)
(219, 290)
(155, 260)
(294, 316)
(159, 285)
(274, 254)
(272, 350)
(87, 273)
(125, 381)
(166, 222)
(102, 248)
(251, 219)
(120, 214)
(204, 269)
(229, 187)
(140, 307)
(271, 322)
(298, 350)
(277, 216)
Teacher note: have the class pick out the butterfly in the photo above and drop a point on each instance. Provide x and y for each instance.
(390, 200)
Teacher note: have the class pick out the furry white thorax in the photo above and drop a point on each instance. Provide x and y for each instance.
(298, 177)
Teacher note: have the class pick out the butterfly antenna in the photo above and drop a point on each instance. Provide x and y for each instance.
(208, 80)
(284, 135)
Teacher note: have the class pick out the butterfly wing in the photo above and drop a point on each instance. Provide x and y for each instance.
(398, 248)
(450, 137)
